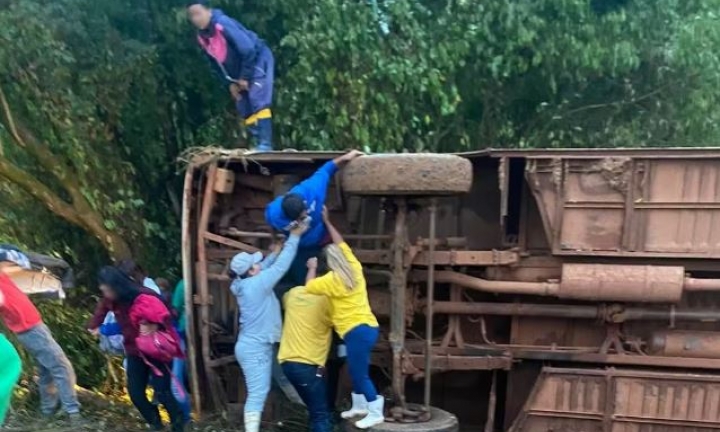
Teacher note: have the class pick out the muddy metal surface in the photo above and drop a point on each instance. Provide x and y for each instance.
(534, 291)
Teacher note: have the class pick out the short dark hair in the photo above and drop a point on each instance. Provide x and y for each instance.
(293, 205)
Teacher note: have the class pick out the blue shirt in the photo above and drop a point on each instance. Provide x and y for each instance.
(313, 190)
(260, 318)
(231, 48)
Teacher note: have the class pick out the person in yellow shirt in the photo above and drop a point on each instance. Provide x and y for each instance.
(354, 321)
(304, 348)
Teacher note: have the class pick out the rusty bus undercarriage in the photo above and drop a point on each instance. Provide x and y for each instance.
(564, 290)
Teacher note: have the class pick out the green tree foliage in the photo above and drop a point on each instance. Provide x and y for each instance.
(98, 98)
(103, 96)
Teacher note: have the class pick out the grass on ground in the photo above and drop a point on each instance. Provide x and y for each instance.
(115, 413)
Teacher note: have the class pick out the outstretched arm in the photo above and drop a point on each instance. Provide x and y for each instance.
(270, 258)
(101, 311)
(312, 270)
(317, 184)
(341, 161)
(270, 276)
(335, 235)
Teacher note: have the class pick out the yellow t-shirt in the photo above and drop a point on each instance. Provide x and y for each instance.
(307, 329)
(350, 308)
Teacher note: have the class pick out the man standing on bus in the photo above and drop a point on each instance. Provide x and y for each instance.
(243, 62)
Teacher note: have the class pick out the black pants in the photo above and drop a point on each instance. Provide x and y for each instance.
(138, 374)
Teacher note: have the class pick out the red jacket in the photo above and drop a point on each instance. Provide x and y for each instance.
(18, 313)
(130, 331)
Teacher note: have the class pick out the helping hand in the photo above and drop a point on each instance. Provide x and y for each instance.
(353, 154)
(300, 229)
(312, 263)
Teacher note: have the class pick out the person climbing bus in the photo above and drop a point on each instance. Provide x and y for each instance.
(304, 203)
(254, 279)
(243, 62)
(353, 320)
(304, 349)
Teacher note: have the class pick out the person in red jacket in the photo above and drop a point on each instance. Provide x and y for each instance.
(133, 306)
(20, 316)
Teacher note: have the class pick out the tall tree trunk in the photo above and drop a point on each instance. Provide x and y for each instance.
(78, 211)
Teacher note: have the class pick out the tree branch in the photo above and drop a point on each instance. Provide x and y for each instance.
(26, 139)
(9, 120)
(39, 191)
(80, 212)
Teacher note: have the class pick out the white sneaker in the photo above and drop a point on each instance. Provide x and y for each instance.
(376, 414)
(252, 421)
(359, 407)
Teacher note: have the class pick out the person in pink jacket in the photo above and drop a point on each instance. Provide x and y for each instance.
(138, 312)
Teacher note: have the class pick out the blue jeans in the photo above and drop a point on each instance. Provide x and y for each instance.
(258, 98)
(57, 376)
(181, 394)
(310, 383)
(282, 382)
(360, 342)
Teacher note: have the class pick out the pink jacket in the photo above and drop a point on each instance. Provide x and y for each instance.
(150, 309)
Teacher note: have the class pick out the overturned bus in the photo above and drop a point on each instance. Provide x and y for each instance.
(520, 290)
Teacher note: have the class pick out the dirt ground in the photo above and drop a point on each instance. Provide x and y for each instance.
(116, 414)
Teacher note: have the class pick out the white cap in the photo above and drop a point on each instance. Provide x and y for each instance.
(243, 262)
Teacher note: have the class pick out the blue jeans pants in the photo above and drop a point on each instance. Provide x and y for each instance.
(254, 105)
(179, 390)
(57, 376)
(360, 342)
(311, 385)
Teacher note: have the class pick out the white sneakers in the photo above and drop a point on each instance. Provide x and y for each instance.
(373, 411)
(359, 407)
(252, 421)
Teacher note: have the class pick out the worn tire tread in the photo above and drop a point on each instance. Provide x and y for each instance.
(408, 174)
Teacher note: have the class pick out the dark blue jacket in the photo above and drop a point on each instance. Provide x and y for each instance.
(231, 48)
(314, 191)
